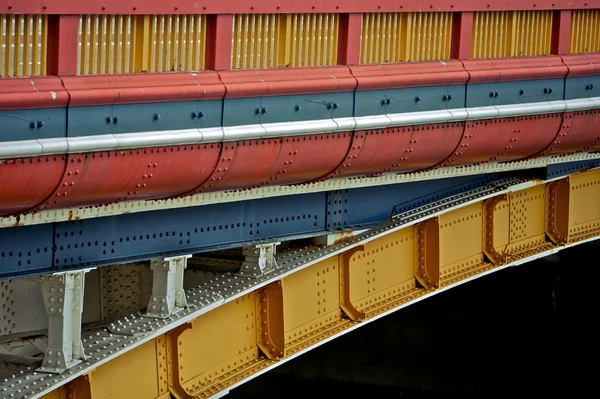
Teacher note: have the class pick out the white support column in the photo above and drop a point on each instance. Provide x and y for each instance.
(63, 300)
(259, 260)
(168, 296)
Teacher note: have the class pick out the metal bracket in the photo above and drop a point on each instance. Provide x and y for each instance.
(63, 300)
(168, 296)
(259, 260)
(427, 254)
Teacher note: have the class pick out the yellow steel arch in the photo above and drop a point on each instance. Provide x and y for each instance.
(318, 294)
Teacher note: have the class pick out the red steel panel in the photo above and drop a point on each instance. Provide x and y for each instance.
(561, 32)
(32, 93)
(307, 80)
(462, 35)
(349, 42)
(280, 161)
(580, 131)
(582, 64)
(278, 6)
(399, 149)
(505, 139)
(114, 176)
(28, 182)
(409, 74)
(528, 68)
(62, 45)
(143, 88)
(218, 41)
(243, 84)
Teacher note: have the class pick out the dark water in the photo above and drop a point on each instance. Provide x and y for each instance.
(524, 331)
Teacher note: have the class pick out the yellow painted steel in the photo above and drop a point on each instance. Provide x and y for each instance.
(461, 241)
(23, 41)
(585, 31)
(584, 212)
(394, 37)
(145, 43)
(284, 40)
(498, 34)
(216, 345)
(236, 340)
(385, 269)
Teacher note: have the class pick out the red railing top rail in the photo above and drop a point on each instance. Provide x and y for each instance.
(66, 7)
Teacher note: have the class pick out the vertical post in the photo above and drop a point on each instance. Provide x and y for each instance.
(61, 51)
(63, 300)
(168, 295)
(462, 35)
(219, 32)
(561, 32)
(349, 39)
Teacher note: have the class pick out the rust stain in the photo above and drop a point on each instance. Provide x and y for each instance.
(344, 236)
(17, 221)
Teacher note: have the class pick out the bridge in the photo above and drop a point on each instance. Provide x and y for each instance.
(196, 192)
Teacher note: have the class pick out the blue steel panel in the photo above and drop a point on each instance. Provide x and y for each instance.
(241, 111)
(28, 124)
(579, 87)
(345, 104)
(370, 205)
(563, 169)
(480, 95)
(414, 99)
(369, 102)
(25, 250)
(529, 91)
(457, 96)
(303, 107)
(87, 121)
(147, 234)
(210, 113)
(154, 116)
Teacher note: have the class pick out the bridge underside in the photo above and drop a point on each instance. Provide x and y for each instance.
(243, 317)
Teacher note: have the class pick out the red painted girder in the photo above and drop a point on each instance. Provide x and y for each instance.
(143, 88)
(287, 81)
(28, 182)
(505, 139)
(281, 161)
(277, 6)
(514, 69)
(582, 64)
(409, 74)
(580, 131)
(32, 93)
(113, 176)
(400, 149)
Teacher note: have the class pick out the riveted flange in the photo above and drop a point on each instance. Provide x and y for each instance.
(427, 253)
(557, 210)
(489, 249)
(344, 267)
(270, 331)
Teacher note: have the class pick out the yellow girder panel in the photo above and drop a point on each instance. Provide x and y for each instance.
(526, 221)
(584, 212)
(311, 301)
(461, 238)
(384, 269)
(214, 347)
(341, 290)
